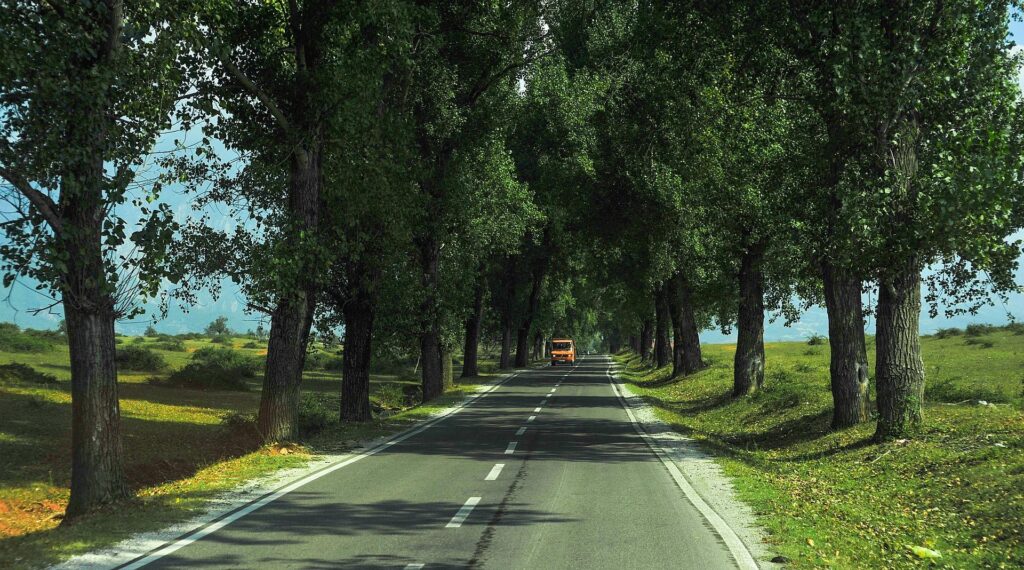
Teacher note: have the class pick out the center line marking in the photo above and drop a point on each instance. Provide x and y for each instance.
(415, 566)
(552, 391)
(521, 431)
(531, 418)
(460, 517)
(536, 410)
(495, 471)
(511, 447)
(547, 396)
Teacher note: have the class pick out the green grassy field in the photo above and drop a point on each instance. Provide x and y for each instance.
(179, 451)
(837, 500)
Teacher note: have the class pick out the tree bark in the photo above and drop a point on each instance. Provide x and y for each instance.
(663, 320)
(523, 334)
(470, 351)
(505, 361)
(748, 367)
(848, 367)
(686, 358)
(355, 371)
(430, 335)
(447, 369)
(899, 370)
(646, 339)
(292, 318)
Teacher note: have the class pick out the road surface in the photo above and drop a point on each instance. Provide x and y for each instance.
(544, 471)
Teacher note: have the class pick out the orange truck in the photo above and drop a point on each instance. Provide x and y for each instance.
(563, 351)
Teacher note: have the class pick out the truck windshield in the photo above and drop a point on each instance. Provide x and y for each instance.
(562, 345)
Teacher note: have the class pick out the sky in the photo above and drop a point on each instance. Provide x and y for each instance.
(18, 301)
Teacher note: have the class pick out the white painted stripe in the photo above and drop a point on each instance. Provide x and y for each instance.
(552, 391)
(521, 430)
(536, 410)
(203, 531)
(495, 471)
(740, 553)
(511, 447)
(415, 566)
(531, 418)
(546, 396)
(460, 517)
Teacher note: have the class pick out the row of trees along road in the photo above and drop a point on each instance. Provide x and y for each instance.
(431, 176)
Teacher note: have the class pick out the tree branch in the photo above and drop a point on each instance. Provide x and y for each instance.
(242, 79)
(43, 203)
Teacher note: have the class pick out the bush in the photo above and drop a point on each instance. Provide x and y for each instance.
(314, 361)
(13, 339)
(816, 340)
(957, 389)
(971, 341)
(140, 359)
(252, 344)
(15, 372)
(333, 363)
(1016, 328)
(221, 339)
(317, 411)
(390, 397)
(170, 345)
(214, 369)
(979, 330)
(138, 340)
(947, 333)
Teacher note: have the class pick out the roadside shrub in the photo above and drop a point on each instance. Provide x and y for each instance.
(15, 372)
(979, 330)
(170, 345)
(317, 411)
(240, 424)
(13, 339)
(191, 336)
(314, 361)
(252, 344)
(805, 368)
(333, 363)
(389, 397)
(221, 339)
(214, 369)
(138, 340)
(816, 340)
(1016, 328)
(812, 352)
(140, 359)
(947, 333)
(974, 341)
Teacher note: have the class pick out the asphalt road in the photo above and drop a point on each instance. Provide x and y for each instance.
(545, 471)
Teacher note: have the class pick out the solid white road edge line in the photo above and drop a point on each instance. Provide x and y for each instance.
(744, 559)
(495, 471)
(511, 447)
(461, 516)
(233, 516)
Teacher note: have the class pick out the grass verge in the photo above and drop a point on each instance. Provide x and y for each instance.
(836, 499)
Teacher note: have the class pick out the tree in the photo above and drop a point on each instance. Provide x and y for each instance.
(86, 89)
(219, 327)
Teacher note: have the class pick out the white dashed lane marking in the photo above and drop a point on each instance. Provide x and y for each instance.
(461, 516)
(511, 447)
(495, 471)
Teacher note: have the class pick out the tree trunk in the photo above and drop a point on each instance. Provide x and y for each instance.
(899, 370)
(662, 347)
(634, 343)
(748, 367)
(470, 351)
(523, 334)
(646, 339)
(293, 316)
(848, 367)
(505, 361)
(538, 345)
(447, 369)
(686, 358)
(430, 336)
(355, 371)
(97, 458)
